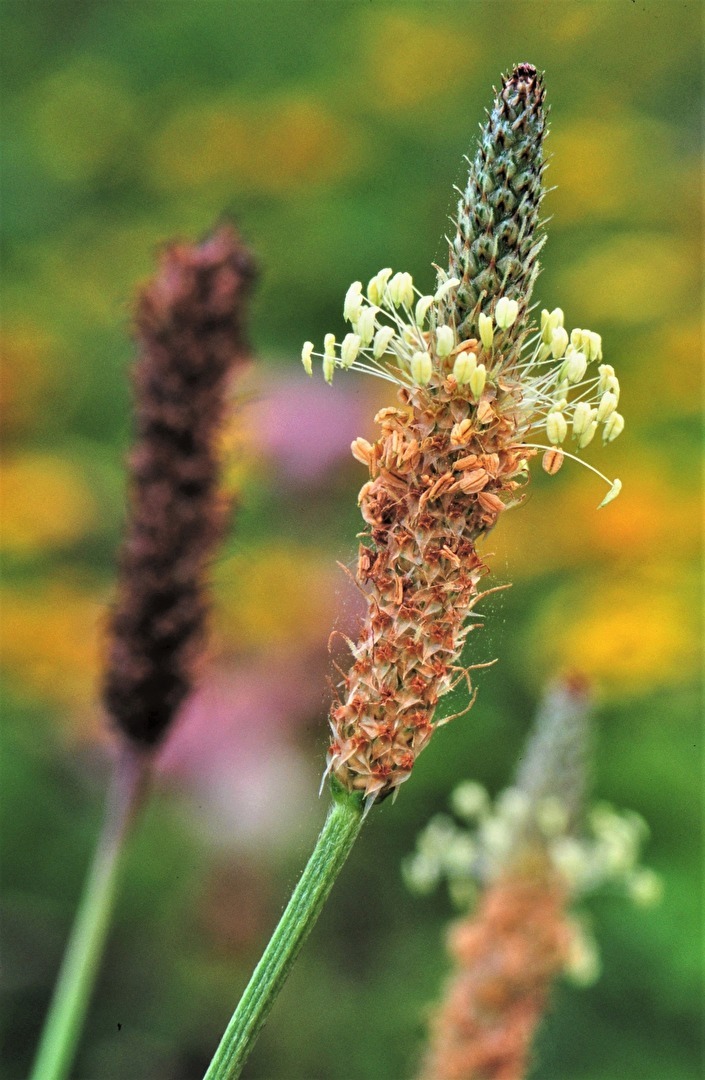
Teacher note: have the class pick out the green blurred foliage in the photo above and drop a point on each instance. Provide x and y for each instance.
(333, 133)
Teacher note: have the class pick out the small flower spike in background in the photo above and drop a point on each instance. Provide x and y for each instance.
(531, 856)
(476, 384)
(190, 323)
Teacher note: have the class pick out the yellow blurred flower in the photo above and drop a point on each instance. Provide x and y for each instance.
(412, 60)
(272, 146)
(611, 163)
(85, 118)
(45, 504)
(632, 279)
(631, 635)
(561, 527)
(276, 596)
(26, 375)
(50, 643)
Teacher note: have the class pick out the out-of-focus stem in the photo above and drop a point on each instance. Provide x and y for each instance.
(62, 1027)
(337, 837)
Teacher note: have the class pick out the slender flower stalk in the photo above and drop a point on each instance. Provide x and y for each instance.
(532, 856)
(190, 325)
(476, 387)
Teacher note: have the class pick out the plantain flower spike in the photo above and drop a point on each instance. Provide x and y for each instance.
(479, 392)
(531, 856)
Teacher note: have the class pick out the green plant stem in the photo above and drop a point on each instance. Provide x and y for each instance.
(337, 837)
(62, 1027)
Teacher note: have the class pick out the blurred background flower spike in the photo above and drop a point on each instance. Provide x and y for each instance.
(520, 865)
(190, 323)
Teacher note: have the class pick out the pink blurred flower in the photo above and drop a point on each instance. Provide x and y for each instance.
(234, 751)
(308, 426)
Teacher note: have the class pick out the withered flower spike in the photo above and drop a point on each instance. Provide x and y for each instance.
(190, 324)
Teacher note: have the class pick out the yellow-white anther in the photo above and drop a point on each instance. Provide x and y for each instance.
(478, 378)
(574, 367)
(377, 285)
(505, 312)
(645, 887)
(349, 349)
(550, 321)
(401, 290)
(421, 368)
(588, 435)
(306, 357)
(329, 345)
(381, 341)
(556, 428)
(608, 403)
(577, 338)
(593, 345)
(328, 367)
(559, 342)
(446, 287)
(486, 329)
(445, 341)
(614, 426)
(465, 364)
(583, 417)
(611, 494)
(559, 405)
(613, 385)
(365, 325)
(422, 306)
(353, 302)
(606, 372)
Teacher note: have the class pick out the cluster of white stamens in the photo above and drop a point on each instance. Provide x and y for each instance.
(397, 334)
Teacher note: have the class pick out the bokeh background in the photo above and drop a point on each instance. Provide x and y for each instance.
(334, 132)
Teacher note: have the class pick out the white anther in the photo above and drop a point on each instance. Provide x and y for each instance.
(353, 302)
(381, 341)
(574, 367)
(556, 428)
(446, 287)
(422, 306)
(588, 435)
(505, 312)
(365, 325)
(401, 290)
(614, 426)
(349, 349)
(611, 494)
(486, 329)
(559, 342)
(377, 285)
(608, 403)
(421, 368)
(306, 357)
(465, 364)
(478, 378)
(445, 341)
(582, 418)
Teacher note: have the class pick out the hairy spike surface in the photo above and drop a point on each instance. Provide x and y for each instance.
(495, 249)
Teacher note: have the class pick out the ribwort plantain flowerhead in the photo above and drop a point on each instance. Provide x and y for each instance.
(480, 390)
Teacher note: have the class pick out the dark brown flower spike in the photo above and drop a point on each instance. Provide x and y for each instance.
(190, 324)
